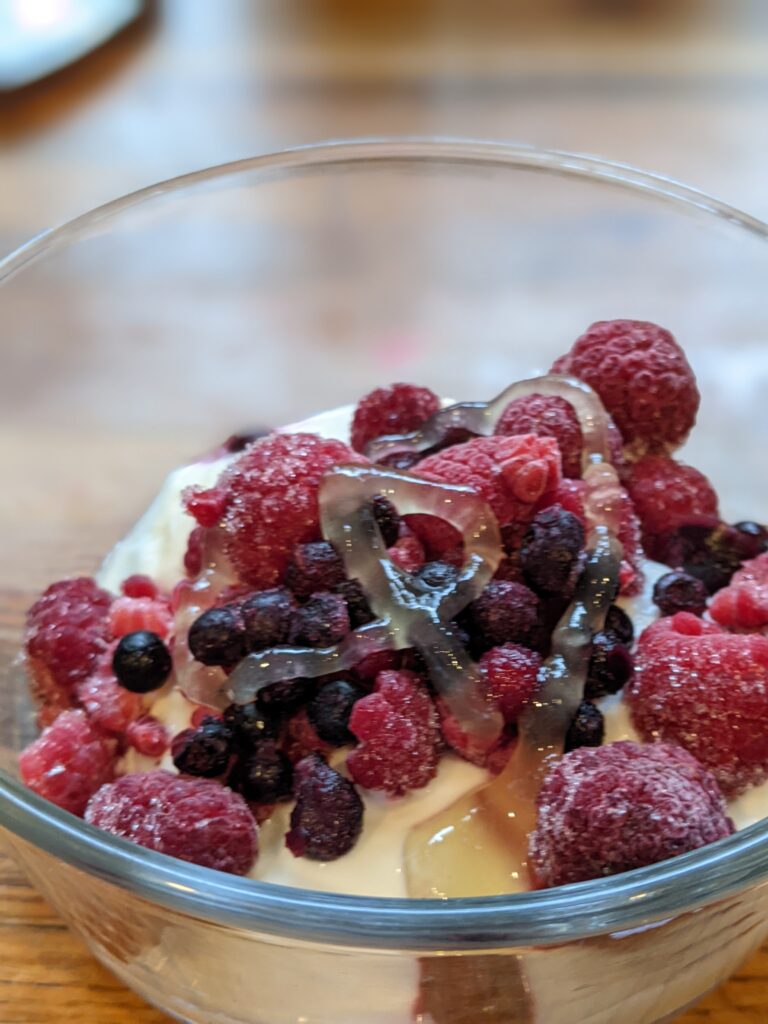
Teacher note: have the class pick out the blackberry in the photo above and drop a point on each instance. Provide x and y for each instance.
(267, 617)
(678, 592)
(550, 554)
(330, 708)
(587, 728)
(204, 751)
(264, 776)
(217, 637)
(141, 662)
(314, 566)
(610, 666)
(328, 816)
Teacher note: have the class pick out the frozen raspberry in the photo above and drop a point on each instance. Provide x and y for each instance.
(110, 707)
(398, 731)
(510, 473)
(707, 690)
(267, 616)
(139, 585)
(193, 556)
(407, 553)
(204, 751)
(68, 762)
(264, 775)
(551, 416)
(587, 728)
(504, 613)
(511, 675)
(321, 622)
(197, 820)
(440, 541)
(666, 494)
(604, 810)
(468, 747)
(205, 506)
(570, 495)
(132, 614)
(642, 377)
(148, 736)
(379, 661)
(66, 633)
(272, 501)
(387, 518)
(551, 551)
(398, 409)
(743, 604)
(678, 592)
(314, 566)
(328, 816)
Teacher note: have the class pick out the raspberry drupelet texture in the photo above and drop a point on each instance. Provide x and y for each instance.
(328, 815)
(197, 820)
(551, 416)
(398, 731)
(743, 604)
(271, 501)
(67, 631)
(642, 377)
(131, 614)
(398, 409)
(511, 674)
(666, 494)
(68, 762)
(407, 552)
(604, 810)
(707, 690)
(511, 473)
(110, 707)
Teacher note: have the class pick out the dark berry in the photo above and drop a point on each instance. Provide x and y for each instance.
(400, 460)
(141, 662)
(237, 442)
(250, 724)
(217, 637)
(587, 728)
(551, 550)
(758, 535)
(610, 666)
(387, 519)
(321, 622)
(619, 623)
(267, 617)
(437, 575)
(265, 775)
(505, 612)
(359, 610)
(710, 551)
(330, 708)
(313, 567)
(678, 592)
(279, 699)
(204, 751)
(328, 816)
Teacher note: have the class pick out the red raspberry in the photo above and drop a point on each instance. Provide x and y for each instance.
(148, 736)
(272, 501)
(744, 603)
(441, 541)
(398, 731)
(68, 762)
(301, 738)
(206, 506)
(66, 633)
(707, 690)
(193, 556)
(110, 707)
(196, 820)
(510, 473)
(131, 614)
(604, 810)
(666, 494)
(643, 378)
(467, 746)
(570, 495)
(511, 674)
(139, 585)
(407, 553)
(550, 416)
(398, 409)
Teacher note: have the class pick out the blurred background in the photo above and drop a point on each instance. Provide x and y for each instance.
(676, 86)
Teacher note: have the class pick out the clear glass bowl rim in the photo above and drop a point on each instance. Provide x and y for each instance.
(568, 913)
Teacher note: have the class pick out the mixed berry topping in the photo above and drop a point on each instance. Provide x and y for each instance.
(609, 809)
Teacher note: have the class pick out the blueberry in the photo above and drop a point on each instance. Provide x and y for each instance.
(267, 617)
(321, 622)
(757, 534)
(237, 442)
(280, 699)
(610, 666)
(313, 567)
(505, 612)
(619, 623)
(328, 815)
(550, 554)
(678, 592)
(204, 751)
(710, 553)
(265, 775)
(359, 610)
(217, 637)
(330, 709)
(141, 662)
(387, 518)
(250, 724)
(437, 575)
(587, 728)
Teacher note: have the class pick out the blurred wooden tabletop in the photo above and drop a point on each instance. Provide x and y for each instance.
(677, 86)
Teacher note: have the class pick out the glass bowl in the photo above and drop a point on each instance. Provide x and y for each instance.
(257, 293)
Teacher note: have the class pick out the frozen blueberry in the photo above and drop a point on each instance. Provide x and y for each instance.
(217, 637)
(437, 575)
(679, 592)
(610, 666)
(587, 728)
(619, 623)
(264, 775)
(141, 662)
(550, 554)
(250, 724)
(387, 518)
(313, 567)
(330, 708)
(328, 816)
(321, 622)
(204, 751)
(267, 617)
(358, 609)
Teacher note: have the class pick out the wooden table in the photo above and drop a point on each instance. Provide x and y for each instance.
(678, 87)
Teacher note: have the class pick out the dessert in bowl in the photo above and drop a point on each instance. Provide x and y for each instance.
(379, 711)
